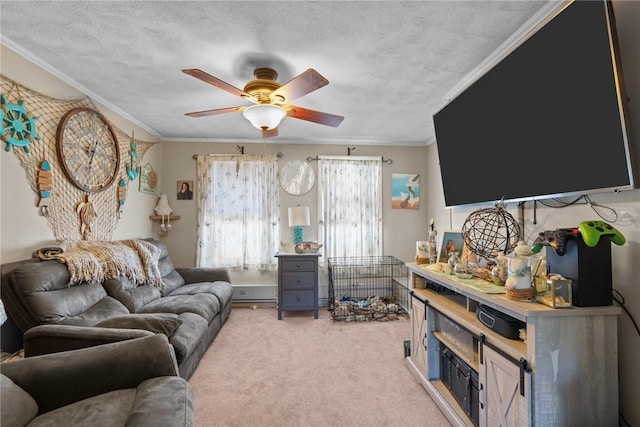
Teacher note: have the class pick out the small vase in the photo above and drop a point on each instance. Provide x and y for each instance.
(462, 270)
(500, 271)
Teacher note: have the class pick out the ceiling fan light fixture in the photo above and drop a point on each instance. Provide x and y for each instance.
(264, 116)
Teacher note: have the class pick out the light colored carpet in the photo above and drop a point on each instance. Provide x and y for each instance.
(300, 371)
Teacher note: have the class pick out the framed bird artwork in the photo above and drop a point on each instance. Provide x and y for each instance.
(405, 191)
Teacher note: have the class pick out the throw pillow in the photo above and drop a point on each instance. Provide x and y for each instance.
(158, 323)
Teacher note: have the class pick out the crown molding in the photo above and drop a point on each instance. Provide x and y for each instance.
(28, 55)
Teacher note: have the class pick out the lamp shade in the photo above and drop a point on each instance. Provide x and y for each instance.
(299, 216)
(264, 116)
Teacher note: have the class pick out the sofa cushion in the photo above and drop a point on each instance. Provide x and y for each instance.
(162, 401)
(104, 410)
(189, 335)
(40, 276)
(171, 281)
(18, 408)
(158, 323)
(105, 308)
(130, 293)
(170, 277)
(42, 294)
(222, 290)
(205, 305)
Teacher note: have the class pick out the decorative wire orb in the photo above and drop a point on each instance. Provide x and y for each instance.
(490, 231)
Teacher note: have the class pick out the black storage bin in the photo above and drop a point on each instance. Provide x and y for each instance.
(462, 381)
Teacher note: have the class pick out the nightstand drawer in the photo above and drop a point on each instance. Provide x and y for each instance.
(298, 279)
(293, 300)
(298, 265)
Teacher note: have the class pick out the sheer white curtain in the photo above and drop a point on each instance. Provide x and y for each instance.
(238, 221)
(350, 206)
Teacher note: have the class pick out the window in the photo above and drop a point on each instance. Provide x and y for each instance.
(238, 214)
(350, 206)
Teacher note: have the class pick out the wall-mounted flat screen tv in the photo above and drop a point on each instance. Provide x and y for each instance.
(547, 121)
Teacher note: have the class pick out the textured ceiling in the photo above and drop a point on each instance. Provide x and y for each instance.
(389, 63)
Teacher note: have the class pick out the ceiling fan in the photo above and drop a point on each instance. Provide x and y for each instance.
(272, 101)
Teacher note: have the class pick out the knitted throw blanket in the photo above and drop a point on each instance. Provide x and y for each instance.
(94, 261)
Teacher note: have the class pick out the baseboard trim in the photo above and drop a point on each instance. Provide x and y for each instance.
(256, 304)
(261, 295)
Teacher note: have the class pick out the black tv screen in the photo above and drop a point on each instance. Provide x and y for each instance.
(546, 121)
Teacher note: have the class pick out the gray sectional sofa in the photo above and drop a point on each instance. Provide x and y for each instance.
(128, 383)
(55, 315)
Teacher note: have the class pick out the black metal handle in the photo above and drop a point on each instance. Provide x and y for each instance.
(524, 367)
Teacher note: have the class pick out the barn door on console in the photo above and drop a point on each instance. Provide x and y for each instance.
(418, 334)
(505, 391)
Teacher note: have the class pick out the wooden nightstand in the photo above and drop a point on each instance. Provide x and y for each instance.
(297, 283)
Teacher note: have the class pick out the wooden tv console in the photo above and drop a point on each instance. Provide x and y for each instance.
(565, 374)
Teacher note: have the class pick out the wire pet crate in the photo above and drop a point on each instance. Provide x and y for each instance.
(368, 288)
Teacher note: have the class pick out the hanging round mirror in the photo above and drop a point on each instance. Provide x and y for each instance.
(297, 177)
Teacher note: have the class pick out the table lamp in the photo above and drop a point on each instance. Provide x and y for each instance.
(299, 217)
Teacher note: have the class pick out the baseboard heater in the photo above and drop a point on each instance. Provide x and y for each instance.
(255, 293)
(262, 294)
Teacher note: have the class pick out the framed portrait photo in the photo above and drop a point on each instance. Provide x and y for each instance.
(452, 241)
(184, 190)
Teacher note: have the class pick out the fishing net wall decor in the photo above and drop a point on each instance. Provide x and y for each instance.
(64, 199)
(491, 231)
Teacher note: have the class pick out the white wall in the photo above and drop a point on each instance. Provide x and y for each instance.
(625, 258)
(23, 230)
(401, 227)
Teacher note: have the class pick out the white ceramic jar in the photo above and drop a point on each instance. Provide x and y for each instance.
(519, 267)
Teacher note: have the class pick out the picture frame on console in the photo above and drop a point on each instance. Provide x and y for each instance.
(452, 241)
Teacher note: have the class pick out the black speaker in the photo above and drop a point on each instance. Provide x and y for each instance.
(589, 269)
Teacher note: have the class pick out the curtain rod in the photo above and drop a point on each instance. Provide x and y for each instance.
(312, 159)
(195, 156)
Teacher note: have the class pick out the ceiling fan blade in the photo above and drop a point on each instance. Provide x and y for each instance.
(270, 133)
(214, 112)
(300, 85)
(208, 78)
(315, 116)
